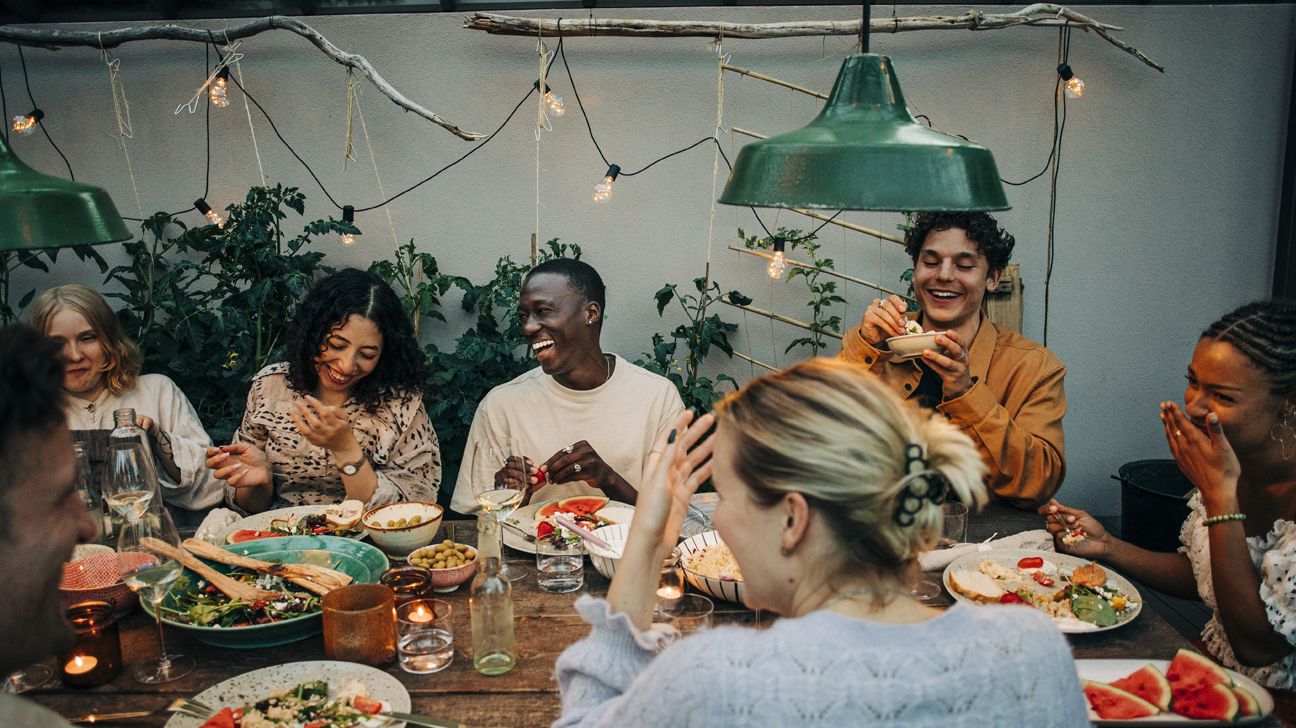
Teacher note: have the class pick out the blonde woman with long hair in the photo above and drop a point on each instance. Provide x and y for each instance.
(830, 487)
(102, 374)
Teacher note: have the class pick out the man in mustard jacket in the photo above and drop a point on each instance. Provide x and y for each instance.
(1003, 389)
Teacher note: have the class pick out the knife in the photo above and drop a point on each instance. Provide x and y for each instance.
(101, 717)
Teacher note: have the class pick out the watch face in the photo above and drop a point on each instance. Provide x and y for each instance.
(350, 469)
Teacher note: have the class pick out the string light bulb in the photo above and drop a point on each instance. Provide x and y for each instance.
(1073, 85)
(603, 190)
(218, 91)
(26, 123)
(201, 205)
(555, 102)
(348, 215)
(777, 264)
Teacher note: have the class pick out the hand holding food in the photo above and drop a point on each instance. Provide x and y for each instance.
(1206, 458)
(322, 425)
(884, 318)
(577, 461)
(239, 464)
(1075, 531)
(950, 364)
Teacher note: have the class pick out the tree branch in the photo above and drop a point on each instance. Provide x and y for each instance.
(1038, 14)
(55, 38)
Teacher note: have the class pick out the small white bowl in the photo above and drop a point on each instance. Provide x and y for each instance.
(731, 591)
(605, 561)
(401, 540)
(911, 346)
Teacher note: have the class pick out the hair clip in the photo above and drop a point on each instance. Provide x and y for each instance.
(935, 489)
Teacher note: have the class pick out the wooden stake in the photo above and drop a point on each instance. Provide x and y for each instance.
(757, 362)
(784, 319)
(825, 271)
(775, 81)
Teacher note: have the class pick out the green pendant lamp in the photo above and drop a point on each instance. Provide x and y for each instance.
(866, 152)
(40, 211)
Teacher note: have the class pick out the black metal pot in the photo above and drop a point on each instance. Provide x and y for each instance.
(1154, 503)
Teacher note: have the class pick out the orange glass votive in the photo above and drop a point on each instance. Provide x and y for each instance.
(96, 657)
(408, 582)
(360, 624)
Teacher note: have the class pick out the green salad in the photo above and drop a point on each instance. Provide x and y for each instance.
(201, 604)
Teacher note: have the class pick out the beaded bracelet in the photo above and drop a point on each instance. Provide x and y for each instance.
(1224, 517)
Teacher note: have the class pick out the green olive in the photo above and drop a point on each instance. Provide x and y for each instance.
(416, 520)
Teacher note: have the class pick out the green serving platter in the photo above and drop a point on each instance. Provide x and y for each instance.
(362, 562)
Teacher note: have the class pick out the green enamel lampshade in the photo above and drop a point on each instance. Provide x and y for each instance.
(40, 211)
(866, 152)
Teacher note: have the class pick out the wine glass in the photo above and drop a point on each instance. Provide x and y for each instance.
(28, 678)
(86, 489)
(499, 480)
(151, 576)
(128, 488)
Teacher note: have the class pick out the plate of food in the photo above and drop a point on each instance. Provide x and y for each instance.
(301, 693)
(338, 519)
(196, 606)
(1079, 595)
(1188, 690)
(523, 526)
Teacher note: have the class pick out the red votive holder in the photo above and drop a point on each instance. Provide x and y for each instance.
(96, 657)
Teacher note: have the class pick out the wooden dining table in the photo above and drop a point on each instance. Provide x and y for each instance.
(545, 625)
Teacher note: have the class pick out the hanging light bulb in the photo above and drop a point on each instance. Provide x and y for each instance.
(603, 190)
(348, 215)
(552, 100)
(26, 123)
(201, 206)
(218, 91)
(1073, 85)
(777, 264)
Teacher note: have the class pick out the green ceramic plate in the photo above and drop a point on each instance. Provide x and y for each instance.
(362, 562)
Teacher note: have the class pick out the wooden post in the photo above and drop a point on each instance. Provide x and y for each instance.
(535, 252)
(1004, 304)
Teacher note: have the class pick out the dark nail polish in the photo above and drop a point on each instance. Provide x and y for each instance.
(671, 439)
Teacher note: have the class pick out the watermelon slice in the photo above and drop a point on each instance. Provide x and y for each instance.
(1190, 672)
(548, 509)
(1115, 704)
(582, 505)
(1147, 683)
(1213, 702)
(1247, 703)
(250, 534)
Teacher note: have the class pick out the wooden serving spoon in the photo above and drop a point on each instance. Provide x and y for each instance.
(232, 588)
(318, 579)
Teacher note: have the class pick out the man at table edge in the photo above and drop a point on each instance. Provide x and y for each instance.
(585, 420)
(1004, 390)
(41, 514)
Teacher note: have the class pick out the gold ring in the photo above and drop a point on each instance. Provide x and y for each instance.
(1178, 433)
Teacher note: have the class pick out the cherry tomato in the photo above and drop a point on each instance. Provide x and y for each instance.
(224, 719)
(1042, 578)
(1011, 598)
(365, 705)
(1031, 562)
(317, 724)
(320, 529)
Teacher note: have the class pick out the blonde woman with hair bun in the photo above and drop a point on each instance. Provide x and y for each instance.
(101, 374)
(829, 489)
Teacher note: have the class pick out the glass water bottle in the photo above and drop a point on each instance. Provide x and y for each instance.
(491, 605)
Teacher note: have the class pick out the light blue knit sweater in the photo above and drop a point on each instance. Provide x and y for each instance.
(972, 666)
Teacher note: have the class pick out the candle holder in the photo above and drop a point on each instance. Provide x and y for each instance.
(407, 582)
(426, 642)
(96, 657)
(670, 585)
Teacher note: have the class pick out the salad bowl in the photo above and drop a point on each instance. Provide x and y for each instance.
(362, 562)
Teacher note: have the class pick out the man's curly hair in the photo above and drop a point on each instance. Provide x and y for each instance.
(993, 241)
(402, 367)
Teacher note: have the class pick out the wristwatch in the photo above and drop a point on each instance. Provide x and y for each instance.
(353, 467)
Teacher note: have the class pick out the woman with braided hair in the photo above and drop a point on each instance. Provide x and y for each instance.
(1235, 439)
(829, 488)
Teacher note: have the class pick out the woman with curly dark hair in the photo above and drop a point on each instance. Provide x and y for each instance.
(343, 417)
(1003, 389)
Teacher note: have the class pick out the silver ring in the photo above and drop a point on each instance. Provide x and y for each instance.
(1178, 433)
(568, 449)
(576, 467)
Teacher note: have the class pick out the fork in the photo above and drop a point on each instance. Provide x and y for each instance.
(189, 707)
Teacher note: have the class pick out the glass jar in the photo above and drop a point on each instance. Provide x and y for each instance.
(407, 582)
(96, 657)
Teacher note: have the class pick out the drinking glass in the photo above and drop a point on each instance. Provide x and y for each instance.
(560, 563)
(151, 577)
(953, 532)
(499, 481)
(127, 487)
(28, 678)
(691, 613)
(86, 489)
(426, 641)
(360, 624)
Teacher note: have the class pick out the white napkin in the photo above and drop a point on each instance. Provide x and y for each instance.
(215, 524)
(1036, 540)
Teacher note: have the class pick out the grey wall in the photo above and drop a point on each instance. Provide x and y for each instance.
(1166, 199)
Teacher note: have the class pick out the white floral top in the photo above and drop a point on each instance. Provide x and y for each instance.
(1274, 555)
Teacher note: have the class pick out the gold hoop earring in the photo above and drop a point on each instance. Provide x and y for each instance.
(1283, 434)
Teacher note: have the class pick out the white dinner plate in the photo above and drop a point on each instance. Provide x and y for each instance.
(1066, 564)
(696, 521)
(256, 685)
(524, 518)
(261, 521)
(1106, 671)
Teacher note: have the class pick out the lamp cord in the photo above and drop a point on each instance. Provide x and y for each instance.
(41, 123)
(4, 107)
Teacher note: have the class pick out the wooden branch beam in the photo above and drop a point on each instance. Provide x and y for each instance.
(745, 132)
(1048, 15)
(775, 81)
(757, 362)
(56, 38)
(848, 225)
(784, 319)
(825, 271)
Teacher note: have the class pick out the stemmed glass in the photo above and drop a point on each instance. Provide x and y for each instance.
(28, 678)
(129, 485)
(499, 480)
(151, 576)
(953, 532)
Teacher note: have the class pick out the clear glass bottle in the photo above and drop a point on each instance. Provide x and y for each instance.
(491, 605)
(126, 429)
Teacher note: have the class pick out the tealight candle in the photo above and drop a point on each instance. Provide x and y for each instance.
(669, 592)
(96, 657)
(419, 614)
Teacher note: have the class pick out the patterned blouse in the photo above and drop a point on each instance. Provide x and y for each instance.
(398, 439)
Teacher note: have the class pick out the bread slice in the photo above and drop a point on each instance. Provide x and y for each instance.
(975, 585)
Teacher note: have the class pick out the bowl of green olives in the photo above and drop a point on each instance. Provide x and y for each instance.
(451, 564)
(399, 528)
